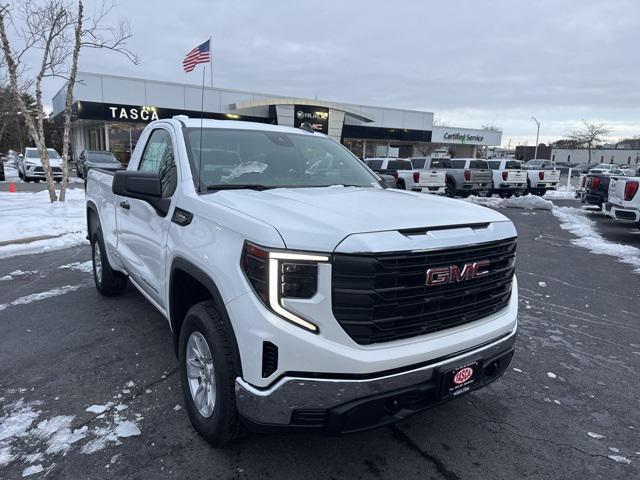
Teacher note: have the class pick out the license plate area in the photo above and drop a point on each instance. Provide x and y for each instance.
(461, 378)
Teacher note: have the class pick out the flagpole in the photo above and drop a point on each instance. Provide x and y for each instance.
(211, 60)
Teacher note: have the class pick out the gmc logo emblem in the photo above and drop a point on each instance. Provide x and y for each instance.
(453, 274)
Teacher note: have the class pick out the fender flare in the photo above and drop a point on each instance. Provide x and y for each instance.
(179, 263)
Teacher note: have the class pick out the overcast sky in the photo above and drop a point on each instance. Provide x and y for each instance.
(473, 63)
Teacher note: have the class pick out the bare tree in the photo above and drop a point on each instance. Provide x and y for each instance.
(590, 135)
(43, 28)
(90, 32)
(58, 32)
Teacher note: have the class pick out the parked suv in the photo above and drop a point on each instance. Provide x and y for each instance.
(30, 166)
(301, 294)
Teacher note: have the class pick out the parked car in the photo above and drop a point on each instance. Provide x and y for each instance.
(30, 166)
(541, 176)
(581, 168)
(604, 167)
(508, 178)
(623, 202)
(468, 176)
(97, 159)
(425, 181)
(301, 299)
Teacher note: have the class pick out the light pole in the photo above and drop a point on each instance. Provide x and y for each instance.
(535, 154)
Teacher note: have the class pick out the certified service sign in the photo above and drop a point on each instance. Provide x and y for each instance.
(317, 117)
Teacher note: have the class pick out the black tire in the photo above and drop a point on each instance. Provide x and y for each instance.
(450, 189)
(223, 426)
(109, 282)
(539, 192)
(400, 184)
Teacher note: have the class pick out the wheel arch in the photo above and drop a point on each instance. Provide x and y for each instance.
(93, 219)
(188, 285)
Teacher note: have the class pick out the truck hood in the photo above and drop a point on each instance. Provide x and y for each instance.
(318, 219)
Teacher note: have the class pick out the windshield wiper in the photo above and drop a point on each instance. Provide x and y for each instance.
(238, 186)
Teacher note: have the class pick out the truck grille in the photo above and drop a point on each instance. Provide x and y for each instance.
(383, 297)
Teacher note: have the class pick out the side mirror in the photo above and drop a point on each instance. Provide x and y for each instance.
(145, 186)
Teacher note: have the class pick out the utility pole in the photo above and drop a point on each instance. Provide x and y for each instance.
(535, 154)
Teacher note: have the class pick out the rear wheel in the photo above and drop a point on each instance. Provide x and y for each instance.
(400, 184)
(450, 189)
(109, 282)
(208, 369)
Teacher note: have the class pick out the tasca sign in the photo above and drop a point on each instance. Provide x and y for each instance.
(317, 117)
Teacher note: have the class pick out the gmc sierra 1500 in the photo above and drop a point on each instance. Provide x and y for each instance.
(301, 294)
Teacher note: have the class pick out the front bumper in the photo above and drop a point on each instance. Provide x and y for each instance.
(348, 403)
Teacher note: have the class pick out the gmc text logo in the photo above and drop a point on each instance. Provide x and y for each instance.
(453, 274)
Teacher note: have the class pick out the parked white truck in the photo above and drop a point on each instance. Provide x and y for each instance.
(300, 293)
(541, 176)
(624, 200)
(407, 177)
(508, 177)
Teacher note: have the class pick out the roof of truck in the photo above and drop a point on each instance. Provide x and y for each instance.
(191, 122)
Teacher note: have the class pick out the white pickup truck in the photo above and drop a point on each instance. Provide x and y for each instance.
(541, 176)
(624, 200)
(300, 293)
(508, 177)
(408, 178)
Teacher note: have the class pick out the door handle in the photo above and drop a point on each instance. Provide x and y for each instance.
(125, 205)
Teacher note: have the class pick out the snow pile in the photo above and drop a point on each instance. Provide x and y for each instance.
(21, 440)
(562, 193)
(26, 215)
(575, 221)
(529, 202)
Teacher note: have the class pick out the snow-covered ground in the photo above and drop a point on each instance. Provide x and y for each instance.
(576, 221)
(26, 215)
(31, 435)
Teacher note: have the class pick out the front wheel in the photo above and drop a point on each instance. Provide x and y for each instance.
(109, 282)
(208, 369)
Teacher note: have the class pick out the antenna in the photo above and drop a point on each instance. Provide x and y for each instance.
(201, 119)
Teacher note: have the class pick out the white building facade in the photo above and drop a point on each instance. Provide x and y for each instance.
(110, 112)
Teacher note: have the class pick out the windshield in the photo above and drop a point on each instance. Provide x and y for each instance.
(233, 157)
(101, 157)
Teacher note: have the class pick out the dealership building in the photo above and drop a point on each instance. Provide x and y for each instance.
(110, 112)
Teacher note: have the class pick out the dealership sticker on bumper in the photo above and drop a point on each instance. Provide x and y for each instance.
(461, 379)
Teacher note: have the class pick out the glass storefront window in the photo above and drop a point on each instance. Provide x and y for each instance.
(376, 149)
(123, 138)
(355, 146)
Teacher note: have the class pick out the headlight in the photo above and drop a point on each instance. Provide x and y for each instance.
(278, 274)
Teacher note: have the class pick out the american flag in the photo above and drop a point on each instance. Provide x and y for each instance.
(200, 54)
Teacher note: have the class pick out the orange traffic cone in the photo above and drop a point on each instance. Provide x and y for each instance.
(12, 187)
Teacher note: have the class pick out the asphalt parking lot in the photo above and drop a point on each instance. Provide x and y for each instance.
(567, 408)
